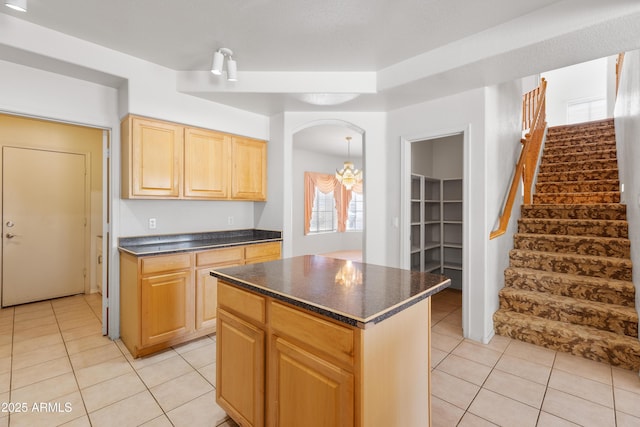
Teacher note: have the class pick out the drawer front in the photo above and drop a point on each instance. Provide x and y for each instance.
(335, 340)
(241, 302)
(262, 251)
(162, 263)
(224, 256)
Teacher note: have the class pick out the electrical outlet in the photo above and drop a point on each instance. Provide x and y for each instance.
(230, 220)
(152, 223)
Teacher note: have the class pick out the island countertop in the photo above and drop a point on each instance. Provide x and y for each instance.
(353, 293)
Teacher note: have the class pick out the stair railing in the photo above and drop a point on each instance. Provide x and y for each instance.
(533, 119)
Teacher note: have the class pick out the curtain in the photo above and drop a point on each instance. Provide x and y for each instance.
(325, 184)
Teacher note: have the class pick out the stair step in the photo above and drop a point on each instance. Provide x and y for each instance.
(604, 211)
(605, 185)
(579, 157)
(580, 138)
(582, 265)
(578, 175)
(597, 289)
(579, 245)
(586, 198)
(607, 317)
(579, 227)
(597, 125)
(556, 149)
(578, 166)
(591, 343)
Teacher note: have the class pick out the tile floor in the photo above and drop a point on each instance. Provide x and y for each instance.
(52, 353)
(511, 383)
(53, 356)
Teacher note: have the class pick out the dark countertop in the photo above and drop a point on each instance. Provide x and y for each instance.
(354, 293)
(174, 243)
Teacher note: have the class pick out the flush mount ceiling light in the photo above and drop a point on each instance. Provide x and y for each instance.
(325, 98)
(349, 175)
(19, 5)
(218, 63)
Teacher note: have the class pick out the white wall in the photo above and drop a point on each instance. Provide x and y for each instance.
(142, 88)
(379, 229)
(307, 161)
(439, 157)
(627, 120)
(588, 80)
(503, 131)
(463, 112)
(422, 158)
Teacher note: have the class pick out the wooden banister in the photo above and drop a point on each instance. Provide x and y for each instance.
(619, 62)
(533, 119)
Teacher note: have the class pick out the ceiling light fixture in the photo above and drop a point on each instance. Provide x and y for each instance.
(19, 5)
(349, 175)
(218, 63)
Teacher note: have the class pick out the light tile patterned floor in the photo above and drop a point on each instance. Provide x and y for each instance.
(53, 352)
(511, 383)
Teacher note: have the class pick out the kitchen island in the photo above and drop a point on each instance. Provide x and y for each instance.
(318, 341)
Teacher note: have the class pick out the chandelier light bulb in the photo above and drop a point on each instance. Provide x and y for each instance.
(349, 175)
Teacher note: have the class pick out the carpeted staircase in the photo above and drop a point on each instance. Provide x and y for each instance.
(568, 286)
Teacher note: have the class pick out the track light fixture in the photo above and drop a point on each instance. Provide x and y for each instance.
(19, 5)
(218, 62)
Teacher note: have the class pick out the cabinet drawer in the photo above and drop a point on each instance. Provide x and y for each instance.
(262, 250)
(241, 302)
(158, 264)
(335, 340)
(225, 256)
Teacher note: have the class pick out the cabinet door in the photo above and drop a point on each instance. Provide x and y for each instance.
(249, 175)
(156, 159)
(206, 299)
(307, 390)
(167, 307)
(206, 164)
(262, 252)
(240, 385)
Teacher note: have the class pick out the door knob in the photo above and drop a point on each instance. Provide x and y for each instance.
(10, 235)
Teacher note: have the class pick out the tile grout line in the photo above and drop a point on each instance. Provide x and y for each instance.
(73, 370)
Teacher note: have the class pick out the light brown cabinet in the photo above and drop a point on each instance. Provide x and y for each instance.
(249, 180)
(280, 365)
(169, 299)
(206, 164)
(163, 160)
(151, 158)
(309, 362)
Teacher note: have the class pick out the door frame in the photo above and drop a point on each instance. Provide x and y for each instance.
(110, 317)
(405, 207)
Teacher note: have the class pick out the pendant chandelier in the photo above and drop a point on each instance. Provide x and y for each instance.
(349, 175)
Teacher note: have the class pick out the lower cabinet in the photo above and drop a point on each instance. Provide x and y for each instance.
(323, 392)
(166, 307)
(170, 299)
(282, 366)
(309, 380)
(240, 386)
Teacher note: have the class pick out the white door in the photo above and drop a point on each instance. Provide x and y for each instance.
(43, 224)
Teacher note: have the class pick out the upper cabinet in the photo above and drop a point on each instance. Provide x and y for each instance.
(249, 178)
(162, 160)
(206, 164)
(151, 159)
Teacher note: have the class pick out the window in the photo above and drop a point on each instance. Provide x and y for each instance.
(586, 110)
(355, 213)
(324, 217)
(329, 207)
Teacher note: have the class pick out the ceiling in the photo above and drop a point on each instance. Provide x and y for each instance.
(384, 54)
